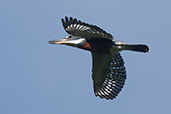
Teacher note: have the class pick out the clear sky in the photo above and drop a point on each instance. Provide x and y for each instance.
(38, 78)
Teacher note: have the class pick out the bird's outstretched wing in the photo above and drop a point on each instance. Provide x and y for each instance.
(84, 30)
(108, 74)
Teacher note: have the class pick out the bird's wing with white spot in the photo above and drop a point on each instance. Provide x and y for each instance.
(84, 30)
(108, 74)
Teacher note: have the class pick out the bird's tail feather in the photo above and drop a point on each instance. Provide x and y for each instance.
(136, 47)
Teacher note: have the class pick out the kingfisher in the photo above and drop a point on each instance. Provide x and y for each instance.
(108, 70)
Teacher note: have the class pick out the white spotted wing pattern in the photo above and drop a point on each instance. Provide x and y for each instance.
(84, 30)
(108, 74)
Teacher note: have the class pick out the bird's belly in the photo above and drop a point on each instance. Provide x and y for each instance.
(99, 47)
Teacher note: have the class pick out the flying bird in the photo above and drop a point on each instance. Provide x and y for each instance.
(108, 70)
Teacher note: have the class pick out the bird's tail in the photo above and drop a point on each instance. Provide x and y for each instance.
(136, 47)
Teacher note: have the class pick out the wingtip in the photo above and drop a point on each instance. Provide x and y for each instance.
(71, 18)
(66, 18)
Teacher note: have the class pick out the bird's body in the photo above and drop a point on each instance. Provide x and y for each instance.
(108, 70)
(99, 46)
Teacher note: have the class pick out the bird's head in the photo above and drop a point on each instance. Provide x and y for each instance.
(70, 41)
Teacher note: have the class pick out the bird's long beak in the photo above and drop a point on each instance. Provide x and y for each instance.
(60, 41)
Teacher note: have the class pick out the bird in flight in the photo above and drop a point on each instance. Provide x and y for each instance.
(108, 70)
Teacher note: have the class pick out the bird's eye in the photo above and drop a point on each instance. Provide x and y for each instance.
(69, 37)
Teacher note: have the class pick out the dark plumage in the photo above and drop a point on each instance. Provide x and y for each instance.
(108, 70)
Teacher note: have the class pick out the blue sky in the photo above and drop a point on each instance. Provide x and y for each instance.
(38, 78)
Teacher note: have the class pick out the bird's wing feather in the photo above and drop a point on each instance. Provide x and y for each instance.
(108, 74)
(81, 29)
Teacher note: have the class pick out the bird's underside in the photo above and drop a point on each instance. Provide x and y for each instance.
(108, 70)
